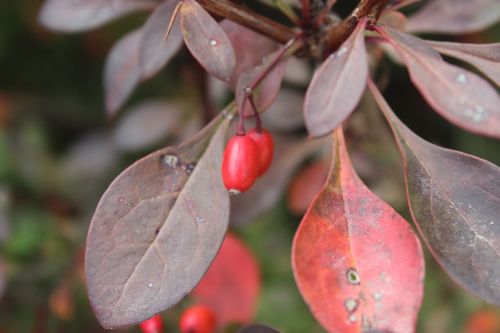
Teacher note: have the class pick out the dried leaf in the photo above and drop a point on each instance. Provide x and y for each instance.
(485, 57)
(81, 15)
(357, 263)
(266, 92)
(122, 72)
(460, 96)
(454, 199)
(337, 86)
(155, 51)
(206, 40)
(455, 16)
(257, 328)
(147, 123)
(156, 230)
(231, 286)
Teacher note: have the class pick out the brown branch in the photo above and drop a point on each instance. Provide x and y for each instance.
(338, 34)
(244, 16)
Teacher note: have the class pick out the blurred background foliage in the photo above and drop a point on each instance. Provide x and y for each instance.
(58, 153)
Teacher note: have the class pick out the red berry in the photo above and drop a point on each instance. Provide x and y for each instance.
(198, 319)
(265, 145)
(152, 325)
(240, 165)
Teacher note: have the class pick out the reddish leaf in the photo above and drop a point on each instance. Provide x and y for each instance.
(454, 16)
(267, 91)
(155, 51)
(206, 40)
(454, 199)
(154, 233)
(357, 263)
(460, 96)
(249, 46)
(122, 72)
(80, 15)
(485, 57)
(337, 86)
(231, 286)
(257, 328)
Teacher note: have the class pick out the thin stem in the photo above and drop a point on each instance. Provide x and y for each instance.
(254, 21)
(172, 20)
(258, 122)
(306, 11)
(241, 121)
(287, 11)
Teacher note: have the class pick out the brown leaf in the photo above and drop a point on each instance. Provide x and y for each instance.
(155, 51)
(337, 86)
(81, 15)
(157, 228)
(357, 263)
(454, 199)
(454, 16)
(460, 96)
(206, 40)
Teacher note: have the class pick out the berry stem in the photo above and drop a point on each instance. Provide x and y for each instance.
(258, 122)
(241, 122)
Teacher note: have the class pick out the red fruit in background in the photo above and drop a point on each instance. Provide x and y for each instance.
(265, 146)
(240, 164)
(484, 321)
(198, 319)
(306, 185)
(152, 325)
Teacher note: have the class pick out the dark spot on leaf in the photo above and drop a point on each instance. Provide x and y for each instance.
(353, 276)
(189, 168)
(157, 231)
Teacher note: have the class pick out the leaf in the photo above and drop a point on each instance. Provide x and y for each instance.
(337, 85)
(357, 263)
(462, 97)
(155, 51)
(454, 199)
(81, 15)
(485, 57)
(156, 230)
(206, 40)
(232, 284)
(257, 328)
(122, 72)
(454, 16)
(249, 47)
(266, 92)
(145, 124)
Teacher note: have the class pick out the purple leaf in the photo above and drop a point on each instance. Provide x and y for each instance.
(337, 86)
(485, 57)
(122, 72)
(155, 51)
(146, 124)
(454, 199)
(454, 16)
(157, 228)
(244, 40)
(460, 96)
(206, 40)
(80, 15)
(267, 90)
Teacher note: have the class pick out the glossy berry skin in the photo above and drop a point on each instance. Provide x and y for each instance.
(240, 164)
(198, 319)
(265, 146)
(152, 325)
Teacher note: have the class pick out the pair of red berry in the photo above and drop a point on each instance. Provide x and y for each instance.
(196, 319)
(246, 157)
